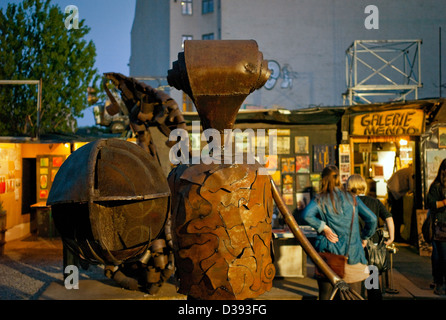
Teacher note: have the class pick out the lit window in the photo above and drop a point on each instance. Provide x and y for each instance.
(207, 6)
(186, 7)
(184, 38)
(208, 36)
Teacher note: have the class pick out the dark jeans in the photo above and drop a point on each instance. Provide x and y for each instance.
(439, 262)
(325, 289)
(397, 211)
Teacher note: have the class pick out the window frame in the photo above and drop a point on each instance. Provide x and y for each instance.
(187, 7)
(207, 6)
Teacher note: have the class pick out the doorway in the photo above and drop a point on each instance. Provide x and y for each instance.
(28, 184)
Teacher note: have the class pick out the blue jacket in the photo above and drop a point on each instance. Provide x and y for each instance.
(340, 224)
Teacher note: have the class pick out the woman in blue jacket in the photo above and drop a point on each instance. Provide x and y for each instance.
(330, 213)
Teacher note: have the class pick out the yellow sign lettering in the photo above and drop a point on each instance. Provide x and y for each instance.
(389, 123)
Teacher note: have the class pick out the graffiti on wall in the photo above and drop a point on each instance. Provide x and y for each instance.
(285, 75)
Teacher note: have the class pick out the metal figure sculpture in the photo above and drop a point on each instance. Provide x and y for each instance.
(221, 213)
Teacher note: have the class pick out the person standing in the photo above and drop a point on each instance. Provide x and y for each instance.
(356, 184)
(436, 203)
(399, 184)
(330, 212)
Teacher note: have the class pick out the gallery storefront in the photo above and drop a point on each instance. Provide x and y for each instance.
(378, 140)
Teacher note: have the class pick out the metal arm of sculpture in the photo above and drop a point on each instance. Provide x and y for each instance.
(146, 107)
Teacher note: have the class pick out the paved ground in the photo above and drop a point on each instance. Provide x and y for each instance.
(31, 269)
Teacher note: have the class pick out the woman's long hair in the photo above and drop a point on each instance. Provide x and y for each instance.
(441, 175)
(329, 182)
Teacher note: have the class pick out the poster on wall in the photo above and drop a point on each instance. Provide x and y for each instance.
(303, 164)
(287, 189)
(10, 165)
(47, 167)
(302, 200)
(301, 144)
(283, 145)
(271, 163)
(434, 157)
(288, 199)
(244, 142)
(344, 162)
(288, 179)
(287, 165)
(315, 179)
(302, 182)
(323, 155)
(277, 177)
(442, 137)
(262, 144)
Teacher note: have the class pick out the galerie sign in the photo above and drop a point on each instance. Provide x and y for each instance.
(389, 123)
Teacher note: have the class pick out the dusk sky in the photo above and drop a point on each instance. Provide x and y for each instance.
(111, 23)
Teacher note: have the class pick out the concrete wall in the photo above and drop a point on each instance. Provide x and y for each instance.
(149, 39)
(311, 36)
(308, 38)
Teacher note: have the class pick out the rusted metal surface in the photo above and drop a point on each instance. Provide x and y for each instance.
(221, 213)
(109, 201)
(220, 80)
(222, 231)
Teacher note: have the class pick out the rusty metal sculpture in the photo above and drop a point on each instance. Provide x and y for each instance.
(111, 202)
(146, 107)
(114, 210)
(221, 213)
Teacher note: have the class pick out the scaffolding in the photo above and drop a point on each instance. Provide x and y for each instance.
(382, 69)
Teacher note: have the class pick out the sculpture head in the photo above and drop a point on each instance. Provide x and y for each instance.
(218, 75)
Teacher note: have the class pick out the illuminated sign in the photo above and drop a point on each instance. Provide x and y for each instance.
(389, 123)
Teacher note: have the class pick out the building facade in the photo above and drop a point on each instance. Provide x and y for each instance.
(304, 41)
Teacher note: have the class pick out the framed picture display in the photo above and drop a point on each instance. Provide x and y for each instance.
(276, 176)
(288, 199)
(287, 189)
(315, 179)
(287, 164)
(301, 144)
(283, 145)
(302, 182)
(288, 179)
(303, 164)
(323, 155)
(442, 137)
(271, 162)
(302, 200)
